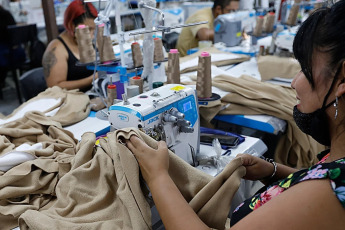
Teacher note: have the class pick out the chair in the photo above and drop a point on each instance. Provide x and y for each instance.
(32, 83)
(23, 42)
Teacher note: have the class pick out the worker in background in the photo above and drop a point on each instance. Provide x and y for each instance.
(190, 36)
(310, 198)
(62, 54)
(9, 55)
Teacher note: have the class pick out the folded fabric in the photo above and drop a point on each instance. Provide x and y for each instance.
(64, 106)
(103, 189)
(190, 62)
(273, 66)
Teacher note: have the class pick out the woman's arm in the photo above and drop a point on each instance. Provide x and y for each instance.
(173, 209)
(259, 169)
(55, 68)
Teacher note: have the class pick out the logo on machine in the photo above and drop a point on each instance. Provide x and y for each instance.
(153, 119)
(122, 117)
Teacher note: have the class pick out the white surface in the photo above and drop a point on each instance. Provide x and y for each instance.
(215, 71)
(40, 105)
(214, 58)
(248, 68)
(18, 156)
(89, 124)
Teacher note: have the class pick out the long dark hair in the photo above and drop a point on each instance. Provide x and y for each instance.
(323, 31)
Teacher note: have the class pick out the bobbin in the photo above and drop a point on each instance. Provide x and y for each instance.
(158, 55)
(87, 53)
(204, 80)
(173, 70)
(137, 56)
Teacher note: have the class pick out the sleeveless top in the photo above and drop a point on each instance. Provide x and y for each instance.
(334, 171)
(75, 72)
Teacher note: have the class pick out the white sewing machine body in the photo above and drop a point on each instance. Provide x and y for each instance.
(168, 113)
(228, 27)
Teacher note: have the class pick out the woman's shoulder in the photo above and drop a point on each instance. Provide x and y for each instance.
(57, 47)
(333, 171)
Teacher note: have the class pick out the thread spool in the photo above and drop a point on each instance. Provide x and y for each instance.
(132, 90)
(269, 25)
(204, 81)
(136, 54)
(292, 19)
(137, 81)
(87, 53)
(173, 71)
(100, 32)
(111, 94)
(105, 47)
(259, 24)
(158, 55)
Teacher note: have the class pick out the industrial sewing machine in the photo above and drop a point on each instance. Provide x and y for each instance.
(168, 113)
(228, 27)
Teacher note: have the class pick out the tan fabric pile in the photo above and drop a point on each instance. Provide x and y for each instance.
(31, 185)
(274, 66)
(74, 105)
(250, 96)
(79, 185)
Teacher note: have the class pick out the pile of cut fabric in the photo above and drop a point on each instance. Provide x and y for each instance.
(49, 180)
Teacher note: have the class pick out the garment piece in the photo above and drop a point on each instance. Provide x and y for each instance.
(75, 72)
(67, 106)
(273, 66)
(334, 171)
(103, 189)
(31, 184)
(187, 39)
(230, 59)
(250, 96)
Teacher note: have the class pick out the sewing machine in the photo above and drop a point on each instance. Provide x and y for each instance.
(168, 113)
(228, 27)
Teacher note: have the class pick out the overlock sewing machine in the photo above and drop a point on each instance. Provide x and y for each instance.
(169, 113)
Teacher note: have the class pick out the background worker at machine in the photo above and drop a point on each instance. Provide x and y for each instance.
(62, 54)
(190, 36)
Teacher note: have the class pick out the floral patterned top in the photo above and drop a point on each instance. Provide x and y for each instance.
(334, 171)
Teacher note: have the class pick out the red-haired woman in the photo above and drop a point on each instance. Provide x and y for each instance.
(61, 55)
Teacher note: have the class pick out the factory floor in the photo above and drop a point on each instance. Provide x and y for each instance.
(9, 101)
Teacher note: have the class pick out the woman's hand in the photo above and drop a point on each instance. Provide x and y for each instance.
(257, 168)
(153, 162)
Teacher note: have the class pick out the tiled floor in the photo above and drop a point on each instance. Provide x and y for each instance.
(10, 101)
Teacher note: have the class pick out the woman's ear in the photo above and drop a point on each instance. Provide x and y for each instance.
(341, 87)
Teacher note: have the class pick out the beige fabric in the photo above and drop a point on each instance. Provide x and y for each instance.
(187, 38)
(31, 185)
(209, 197)
(250, 96)
(102, 189)
(74, 105)
(273, 66)
(211, 50)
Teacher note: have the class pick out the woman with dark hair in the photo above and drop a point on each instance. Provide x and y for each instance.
(62, 54)
(312, 198)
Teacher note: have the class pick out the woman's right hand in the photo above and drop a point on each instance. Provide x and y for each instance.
(256, 168)
(152, 162)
